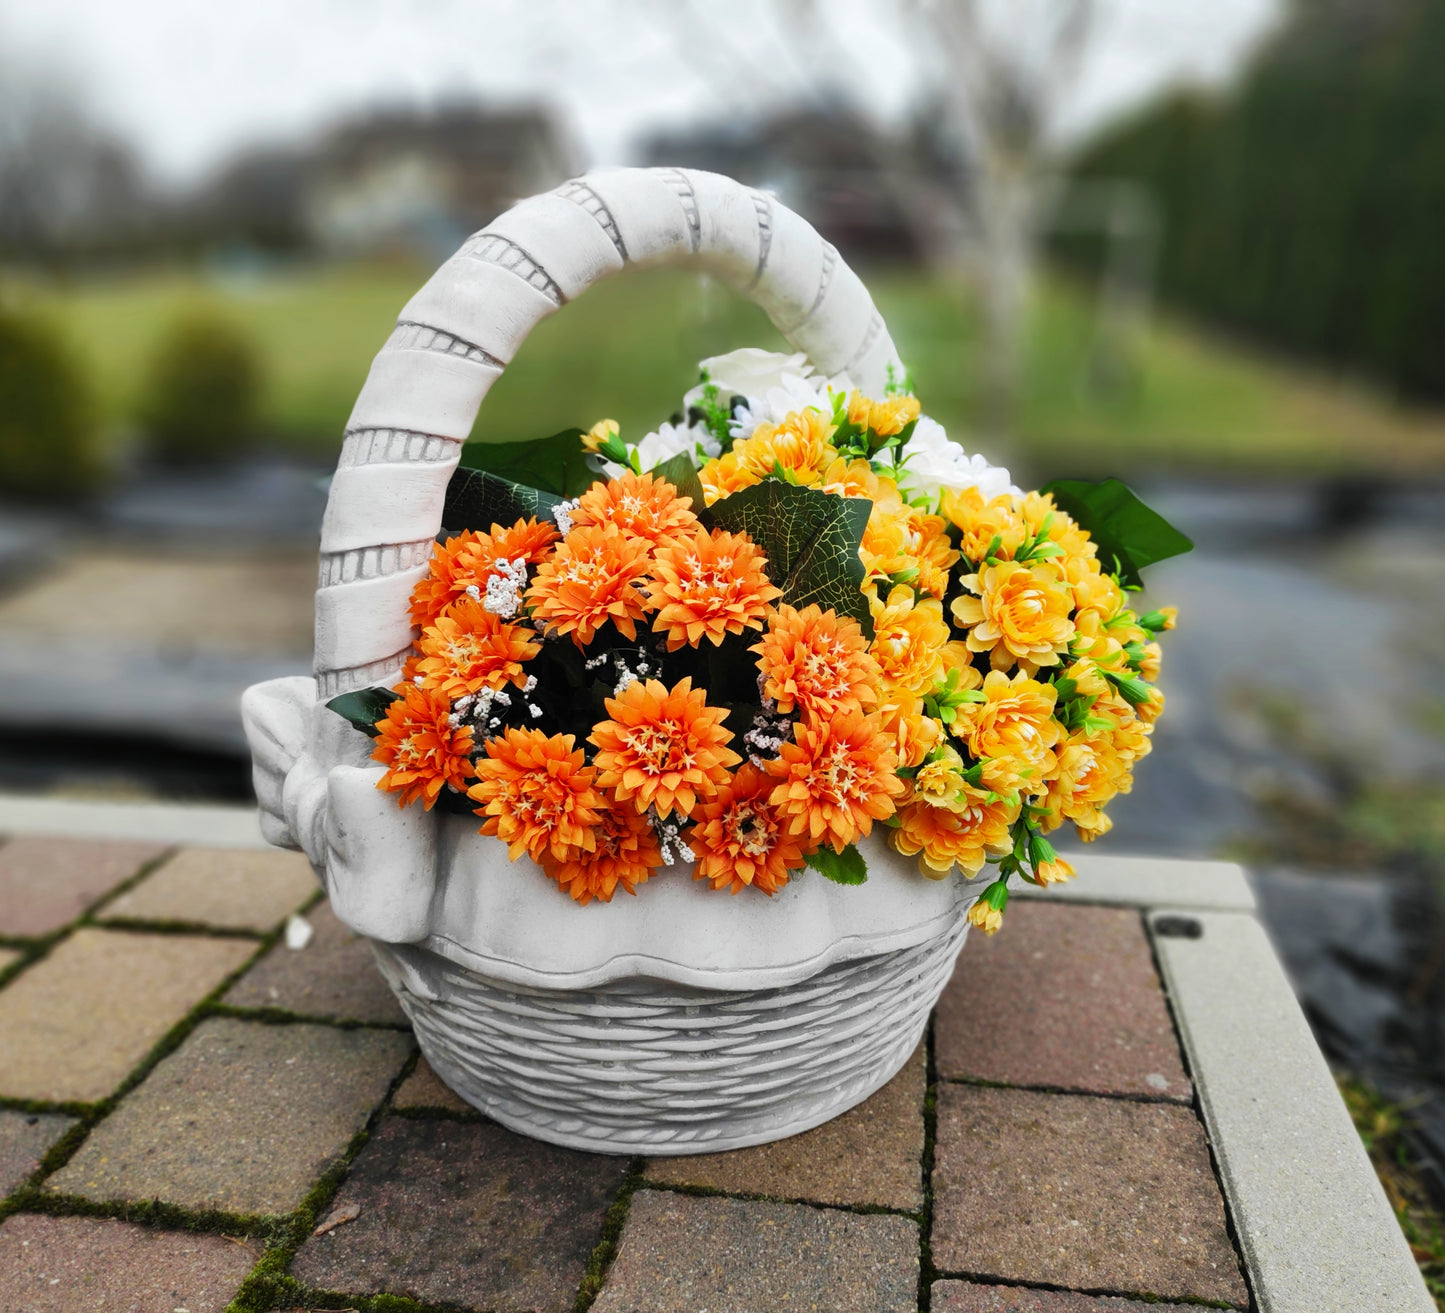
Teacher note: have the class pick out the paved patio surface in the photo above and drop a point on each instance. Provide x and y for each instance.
(195, 1117)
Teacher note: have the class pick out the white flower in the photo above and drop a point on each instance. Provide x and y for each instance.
(772, 385)
(931, 462)
(793, 392)
(748, 372)
(668, 441)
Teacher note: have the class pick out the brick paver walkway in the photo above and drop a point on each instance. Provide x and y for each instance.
(194, 1116)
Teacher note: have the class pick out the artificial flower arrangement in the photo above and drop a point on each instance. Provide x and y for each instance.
(790, 614)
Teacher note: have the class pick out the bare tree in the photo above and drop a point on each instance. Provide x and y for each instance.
(1004, 70)
(64, 181)
(992, 75)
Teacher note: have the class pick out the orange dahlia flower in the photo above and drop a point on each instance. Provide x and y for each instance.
(1012, 731)
(640, 505)
(1020, 614)
(536, 794)
(662, 749)
(624, 852)
(741, 839)
(965, 834)
(836, 779)
(909, 635)
(709, 585)
(593, 576)
(468, 648)
(466, 561)
(421, 747)
(455, 566)
(816, 661)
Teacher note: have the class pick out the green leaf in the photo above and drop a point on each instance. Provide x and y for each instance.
(682, 474)
(557, 464)
(847, 867)
(1125, 530)
(477, 500)
(811, 540)
(364, 707)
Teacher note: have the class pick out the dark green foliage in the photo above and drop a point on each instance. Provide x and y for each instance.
(1306, 209)
(201, 397)
(1128, 534)
(478, 499)
(557, 464)
(811, 540)
(364, 707)
(682, 474)
(847, 867)
(49, 440)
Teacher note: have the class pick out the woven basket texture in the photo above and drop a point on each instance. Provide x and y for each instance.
(639, 1067)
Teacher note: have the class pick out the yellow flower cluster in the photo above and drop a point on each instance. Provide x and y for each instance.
(1017, 689)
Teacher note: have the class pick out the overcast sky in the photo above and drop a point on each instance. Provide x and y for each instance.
(190, 81)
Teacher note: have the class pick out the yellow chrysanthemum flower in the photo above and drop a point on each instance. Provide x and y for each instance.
(1019, 614)
(723, 476)
(908, 638)
(965, 836)
(1054, 871)
(600, 433)
(1094, 592)
(939, 781)
(981, 521)
(1089, 774)
(1036, 508)
(956, 656)
(913, 732)
(854, 478)
(887, 417)
(1012, 731)
(798, 446)
(983, 916)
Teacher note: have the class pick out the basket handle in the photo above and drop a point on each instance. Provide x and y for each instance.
(457, 334)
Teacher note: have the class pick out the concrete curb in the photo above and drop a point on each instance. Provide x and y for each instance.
(1313, 1221)
(1149, 882)
(178, 823)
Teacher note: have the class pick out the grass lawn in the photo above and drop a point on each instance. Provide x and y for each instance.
(629, 348)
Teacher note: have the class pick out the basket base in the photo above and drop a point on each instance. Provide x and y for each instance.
(644, 1067)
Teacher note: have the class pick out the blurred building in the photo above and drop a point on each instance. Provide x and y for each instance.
(859, 188)
(396, 178)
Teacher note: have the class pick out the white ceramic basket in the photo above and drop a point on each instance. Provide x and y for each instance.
(677, 1021)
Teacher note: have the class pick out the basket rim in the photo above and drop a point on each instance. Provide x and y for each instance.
(509, 922)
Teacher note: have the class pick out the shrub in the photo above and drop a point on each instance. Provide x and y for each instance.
(1305, 207)
(200, 396)
(49, 435)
